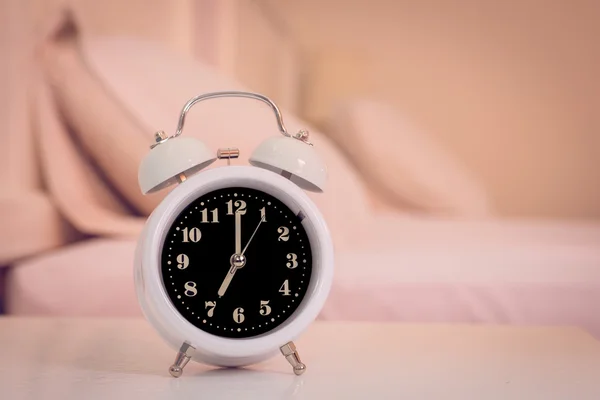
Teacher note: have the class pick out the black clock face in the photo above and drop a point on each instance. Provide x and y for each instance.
(236, 262)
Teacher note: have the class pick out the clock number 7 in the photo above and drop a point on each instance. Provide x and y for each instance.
(210, 305)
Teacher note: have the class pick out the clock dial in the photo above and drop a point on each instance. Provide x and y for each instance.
(236, 262)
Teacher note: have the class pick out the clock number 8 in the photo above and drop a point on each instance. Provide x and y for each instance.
(190, 289)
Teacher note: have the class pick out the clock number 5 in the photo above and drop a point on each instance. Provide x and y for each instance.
(238, 315)
(265, 309)
(284, 234)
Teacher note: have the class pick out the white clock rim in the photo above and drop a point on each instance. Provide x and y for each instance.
(172, 326)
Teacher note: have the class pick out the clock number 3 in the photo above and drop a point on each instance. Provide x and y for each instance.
(293, 263)
(190, 289)
(211, 307)
(284, 234)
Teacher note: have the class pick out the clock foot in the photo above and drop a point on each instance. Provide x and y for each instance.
(291, 355)
(183, 356)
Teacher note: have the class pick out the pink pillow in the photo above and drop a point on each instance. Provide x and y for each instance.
(116, 92)
(405, 168)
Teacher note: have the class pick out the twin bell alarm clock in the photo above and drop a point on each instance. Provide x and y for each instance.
(236, 261)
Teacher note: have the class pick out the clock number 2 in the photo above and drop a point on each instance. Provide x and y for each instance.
(284, 234)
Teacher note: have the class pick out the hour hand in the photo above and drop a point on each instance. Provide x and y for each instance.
(237, 261)
(226, 281)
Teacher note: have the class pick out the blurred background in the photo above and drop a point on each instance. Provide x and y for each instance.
(467, 129)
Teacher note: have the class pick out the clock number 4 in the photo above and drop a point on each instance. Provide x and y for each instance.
(238, 315)
(215, 216)
(210, 305)
(191, 235)
(265, 309)
(284, 234)
(285, 288)
(240, 204)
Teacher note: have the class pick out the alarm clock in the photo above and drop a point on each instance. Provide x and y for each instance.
(236, 261)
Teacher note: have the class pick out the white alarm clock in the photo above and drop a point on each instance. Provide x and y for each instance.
(236, 261)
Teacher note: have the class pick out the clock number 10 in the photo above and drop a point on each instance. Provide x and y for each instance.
(191, 235)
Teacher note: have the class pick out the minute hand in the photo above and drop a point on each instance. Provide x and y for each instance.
(253, 233)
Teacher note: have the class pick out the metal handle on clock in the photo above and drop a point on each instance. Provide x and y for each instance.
(214, 95)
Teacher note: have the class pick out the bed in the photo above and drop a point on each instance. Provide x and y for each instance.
(497, 271)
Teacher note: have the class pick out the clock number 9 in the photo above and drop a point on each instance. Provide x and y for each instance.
(284, 233)
(293, 263)
(183, 261)
(238, 315)
(190, 289)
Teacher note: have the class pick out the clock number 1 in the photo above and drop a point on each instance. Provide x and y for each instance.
(263, 214)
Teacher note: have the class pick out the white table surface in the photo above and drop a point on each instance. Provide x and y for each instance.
(88, 359)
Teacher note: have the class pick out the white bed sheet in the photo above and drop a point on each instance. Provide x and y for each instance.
(495, 271)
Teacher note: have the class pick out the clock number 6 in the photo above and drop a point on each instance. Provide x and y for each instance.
(238, 315)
